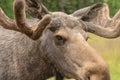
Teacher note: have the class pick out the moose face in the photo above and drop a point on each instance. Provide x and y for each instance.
(64, 45)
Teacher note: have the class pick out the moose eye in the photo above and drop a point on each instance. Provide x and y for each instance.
(59, 37)
(59, 40)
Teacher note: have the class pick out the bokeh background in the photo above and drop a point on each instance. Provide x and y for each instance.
(108, 48)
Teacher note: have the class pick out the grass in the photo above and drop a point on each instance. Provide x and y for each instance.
(110, 51)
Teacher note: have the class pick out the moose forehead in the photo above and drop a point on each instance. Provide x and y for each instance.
(62, 19)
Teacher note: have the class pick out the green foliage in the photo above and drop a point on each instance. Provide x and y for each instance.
(114, 6)
(67, 6)
(6, 5)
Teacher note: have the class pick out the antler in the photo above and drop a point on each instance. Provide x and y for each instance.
(88, 13)
(7, 22)
(36, 9)
(96, 20)
(20, 23)
(104, 26)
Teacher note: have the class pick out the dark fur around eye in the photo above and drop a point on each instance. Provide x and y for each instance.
(59, 40)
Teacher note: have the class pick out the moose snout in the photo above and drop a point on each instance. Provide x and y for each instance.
(93, 71)
(86, 63)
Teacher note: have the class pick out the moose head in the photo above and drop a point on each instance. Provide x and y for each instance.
(63, 37)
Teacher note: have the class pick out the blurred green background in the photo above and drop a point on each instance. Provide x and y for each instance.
(67, 6)
(109, 48)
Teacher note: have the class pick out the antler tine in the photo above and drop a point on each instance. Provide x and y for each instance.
(36, 7)
(102, 16)
(117, 16)
(7, 22)
(91, 13)
(20, 17)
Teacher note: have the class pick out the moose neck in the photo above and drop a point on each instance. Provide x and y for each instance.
(24, 56)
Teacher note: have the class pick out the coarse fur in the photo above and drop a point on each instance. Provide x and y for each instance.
(20, 58)
(30, 60)
(70, 53)
(55, 43)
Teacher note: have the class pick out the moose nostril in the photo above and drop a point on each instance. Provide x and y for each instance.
(59, 37)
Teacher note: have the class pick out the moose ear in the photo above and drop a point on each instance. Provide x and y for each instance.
(88, 13)
(55, 24)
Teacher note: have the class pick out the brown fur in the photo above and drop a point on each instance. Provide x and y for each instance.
(72, 55)
(20, 58)
(61, 45)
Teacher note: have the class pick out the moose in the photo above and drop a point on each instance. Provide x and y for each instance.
(55, 42)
